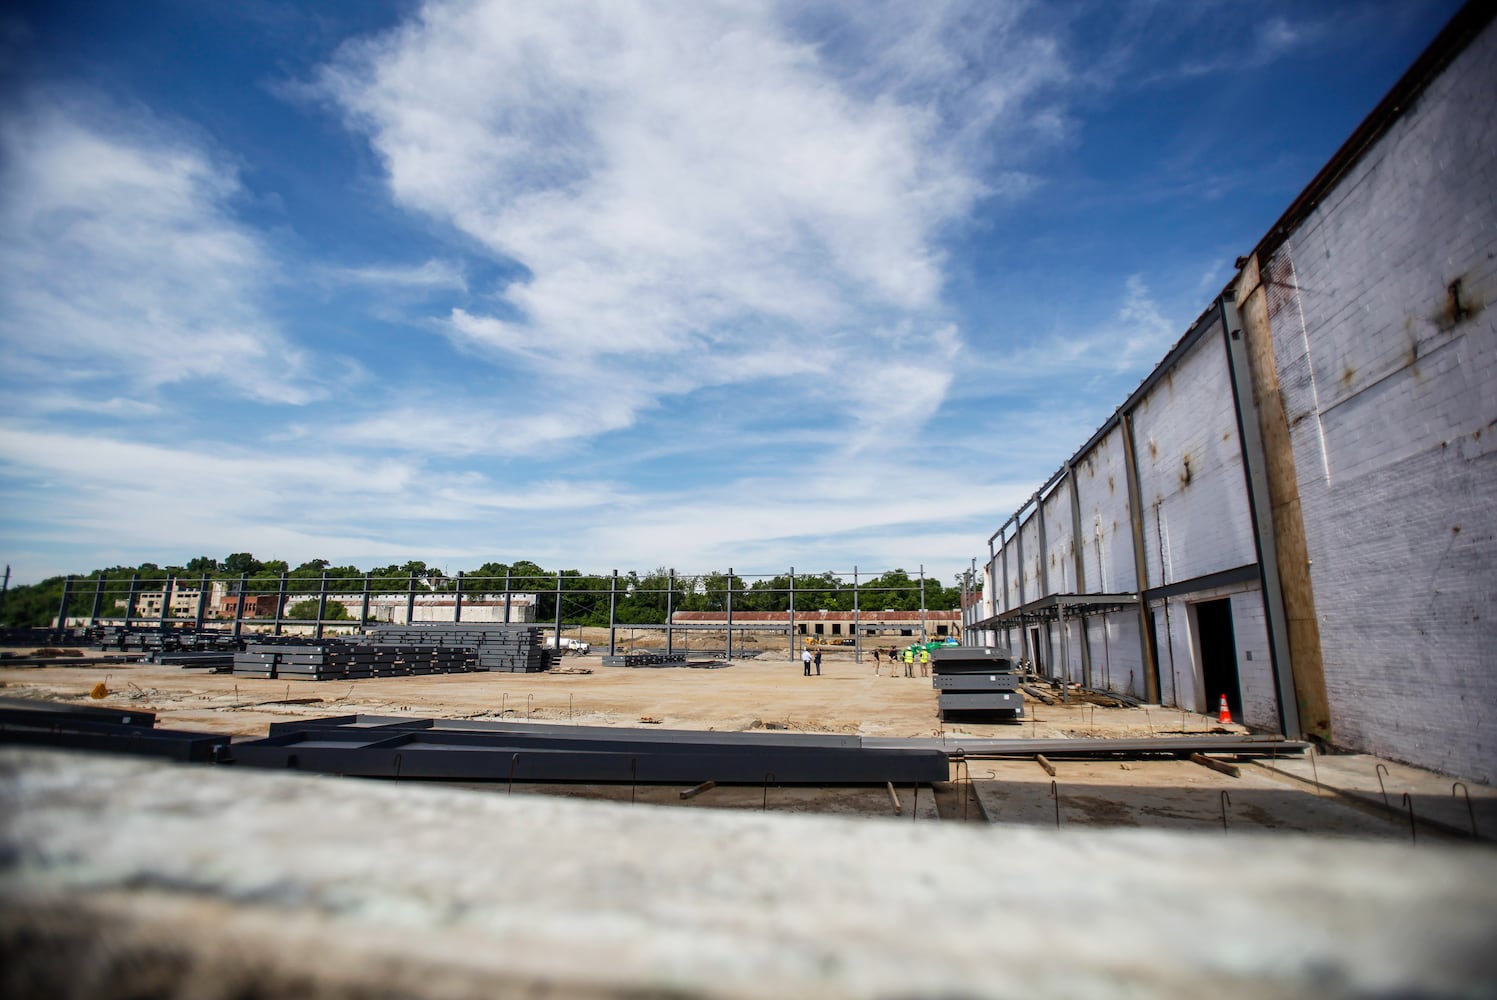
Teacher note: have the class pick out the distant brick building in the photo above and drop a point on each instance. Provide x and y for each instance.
(255, 606)
(828, 623)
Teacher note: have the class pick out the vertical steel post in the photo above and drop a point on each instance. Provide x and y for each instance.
(670, 612)
(130, 598)
(857, 633)
(1080, 553)
(166, 600)
(410, 599)
(238, 605)
(613, 603)
(1003, 596)
(457, 602)
(321, 605)
(1140, 562)
(62, 610)
(730, 613)
(280, 602)
(792, 613)
(924, 632)
(93, 615)
(202, 603)
(364, 604)
(5, 587)
(507, 597)
(558, 609)
(1260, 508)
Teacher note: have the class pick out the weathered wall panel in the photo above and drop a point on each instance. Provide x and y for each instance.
(1103, 493)
(1389, 373)
(1197, 519)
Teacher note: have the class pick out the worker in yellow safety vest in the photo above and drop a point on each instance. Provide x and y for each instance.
(924, 662)
(909, 661)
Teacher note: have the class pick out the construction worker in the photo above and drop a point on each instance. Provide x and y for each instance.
(909, 661)
(924, 661)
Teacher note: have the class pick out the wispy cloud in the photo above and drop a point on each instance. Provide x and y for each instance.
(121, 259)
(431, 275)
(688, 183)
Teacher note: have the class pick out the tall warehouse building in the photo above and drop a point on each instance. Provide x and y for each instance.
(1297, 509)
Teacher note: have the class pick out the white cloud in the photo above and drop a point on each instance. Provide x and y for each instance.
(341, 506)
(432, 275)
(121, 258)
(691, 182)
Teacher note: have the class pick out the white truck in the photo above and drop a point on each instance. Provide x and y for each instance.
(567, 645)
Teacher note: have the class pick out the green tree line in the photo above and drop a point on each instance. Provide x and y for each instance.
(641, 598)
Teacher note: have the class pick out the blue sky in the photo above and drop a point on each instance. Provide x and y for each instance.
(618, 284)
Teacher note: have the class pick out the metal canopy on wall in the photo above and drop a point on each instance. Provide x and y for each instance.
(1056, 607)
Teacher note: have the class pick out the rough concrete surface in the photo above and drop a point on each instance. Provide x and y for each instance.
(125, 878)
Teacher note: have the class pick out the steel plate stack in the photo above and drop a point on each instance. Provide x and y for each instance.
(503, 648)
(977, 679)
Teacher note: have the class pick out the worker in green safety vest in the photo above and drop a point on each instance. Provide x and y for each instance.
(909, 661)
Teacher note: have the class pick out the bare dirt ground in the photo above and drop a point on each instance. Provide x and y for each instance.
(768, 692)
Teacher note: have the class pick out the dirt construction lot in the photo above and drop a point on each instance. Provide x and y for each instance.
(768, 692)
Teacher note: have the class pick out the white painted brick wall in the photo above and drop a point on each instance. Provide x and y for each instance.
(1195, 504)
(1393, 412)
(1117, 657)
(1260, 701)
(1102, 487)
(1060, 546)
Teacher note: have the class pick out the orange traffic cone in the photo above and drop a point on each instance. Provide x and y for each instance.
(1224, 714)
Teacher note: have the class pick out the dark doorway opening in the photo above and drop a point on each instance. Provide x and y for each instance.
(1219, 656)
(1034, 649)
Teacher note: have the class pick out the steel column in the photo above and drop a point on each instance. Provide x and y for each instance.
(1140, 562)
(792, 613)
(508, 589)
(166, 600)
(1080, 552)
(410, 599)
(280, 602)
(1260, 508)
(857, 633)
(238, 605)
(670, 612)
(62, 610)
(364, 604)
(558, 609)
(93, 615)
(924, 633)
(457, 602)
(130, 597)
(613, 600)
(729, 654)
(197, 622)
(321, 605)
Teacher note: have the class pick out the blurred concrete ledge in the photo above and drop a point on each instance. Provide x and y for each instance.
(123, 877)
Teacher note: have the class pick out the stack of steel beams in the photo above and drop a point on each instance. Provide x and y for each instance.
(203, 659)
(168, 638)
(495, 751)
(977, 679)
(112, 730)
